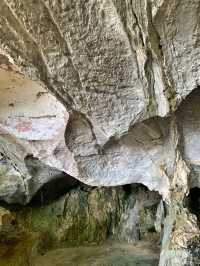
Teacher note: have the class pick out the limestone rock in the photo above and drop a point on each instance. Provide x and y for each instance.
(138, 218)
(145, 155)
(95, 215)
(189, 125)
(113, 64)
(122, 69)
(180, 226)
(32, 123)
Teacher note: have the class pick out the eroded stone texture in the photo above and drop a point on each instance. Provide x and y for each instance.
(95, 215)
(189, 126)
(177, 24)
(180, 226)
(109, 63)
(115, 64)
(145, 155)
(80, 51)
(32, 123)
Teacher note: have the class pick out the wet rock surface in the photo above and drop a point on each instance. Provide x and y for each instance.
(19, 249)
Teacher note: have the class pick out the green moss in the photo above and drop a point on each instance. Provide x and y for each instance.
(85, 217)
(43, 219)
(80, 217)
(91, 217)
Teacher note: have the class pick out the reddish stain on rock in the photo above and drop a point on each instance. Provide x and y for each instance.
(24, 126)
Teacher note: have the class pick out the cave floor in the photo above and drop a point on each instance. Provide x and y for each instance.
(109, 254)
(23, 251)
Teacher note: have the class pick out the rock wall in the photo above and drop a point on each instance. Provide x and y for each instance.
(128, 74)
(32, 124)
(88, 216)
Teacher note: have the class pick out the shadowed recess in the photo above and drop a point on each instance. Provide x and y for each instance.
(58, 185)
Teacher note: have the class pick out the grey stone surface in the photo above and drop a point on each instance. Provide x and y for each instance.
(32, 125)
(122, 69)
(113, 64)
(145, 155)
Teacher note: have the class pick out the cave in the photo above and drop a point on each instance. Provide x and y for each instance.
(54, 189)
(107, 93)
(32, 124)
(54, 185)
(193, 201)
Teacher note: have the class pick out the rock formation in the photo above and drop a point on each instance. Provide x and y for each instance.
(120, 79)
(32, 125)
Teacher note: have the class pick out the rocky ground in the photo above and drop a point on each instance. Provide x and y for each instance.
(75, 229)
(109, 254)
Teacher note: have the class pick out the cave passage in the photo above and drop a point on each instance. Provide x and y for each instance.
(193, 202)
(54, 189)
(57, 183)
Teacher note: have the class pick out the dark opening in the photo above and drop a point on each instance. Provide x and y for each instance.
(57, 185)
(54, 189)
(193, 202)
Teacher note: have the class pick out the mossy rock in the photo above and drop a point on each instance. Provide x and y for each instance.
(79, 217)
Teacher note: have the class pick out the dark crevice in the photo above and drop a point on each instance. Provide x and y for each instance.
(192, 202)
(57, 188)
(54, 189)
(127, 189)
(57, 183)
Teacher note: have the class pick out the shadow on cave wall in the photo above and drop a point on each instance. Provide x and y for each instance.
(54, 189)
(63, 183)
(192, 202)
(188, 119)
(58, 183)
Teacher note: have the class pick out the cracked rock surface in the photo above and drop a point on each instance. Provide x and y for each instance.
(121, 80)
